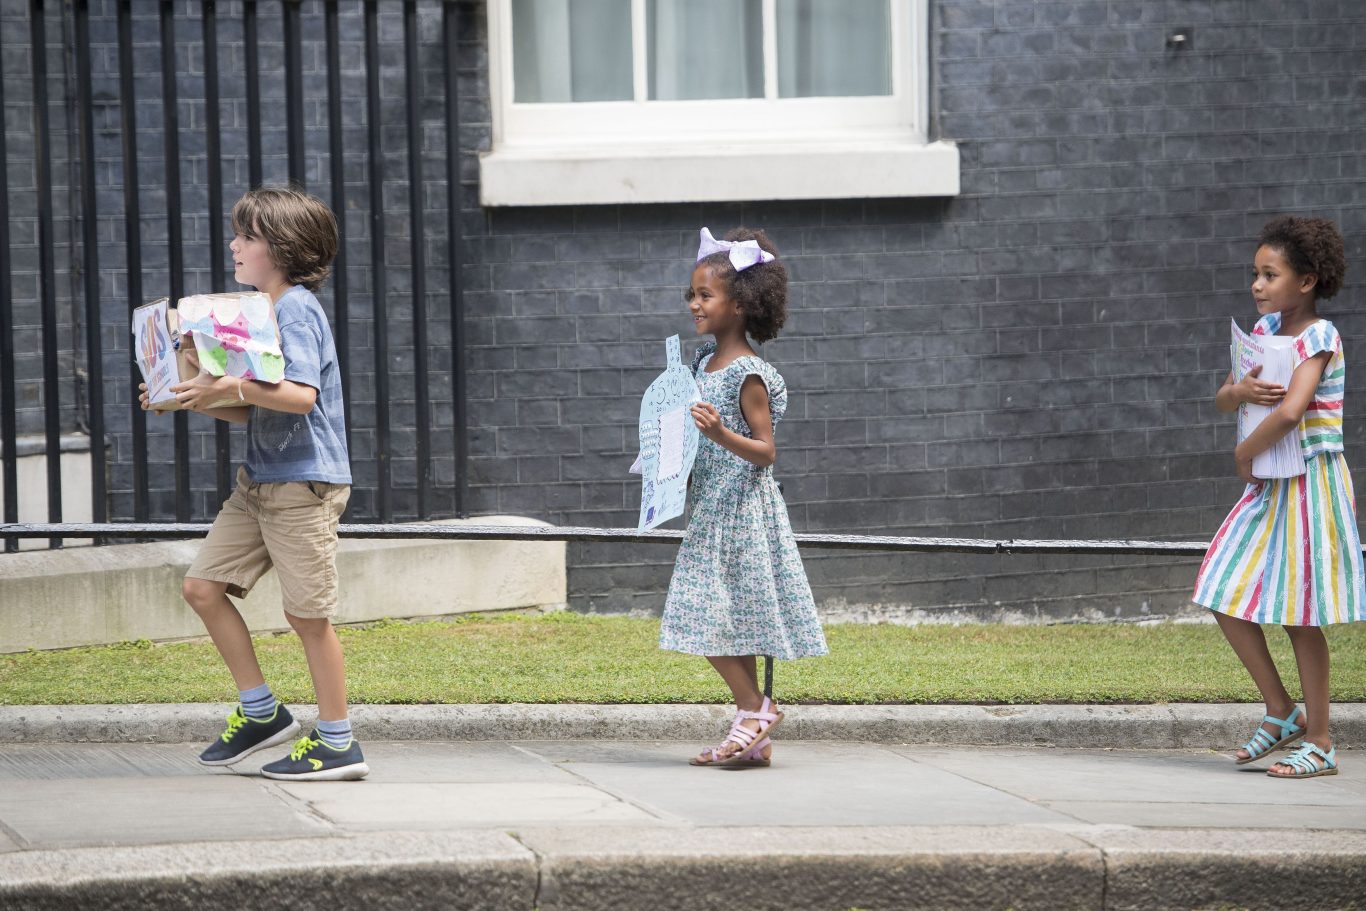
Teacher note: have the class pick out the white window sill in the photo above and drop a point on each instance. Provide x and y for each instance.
(562, 176)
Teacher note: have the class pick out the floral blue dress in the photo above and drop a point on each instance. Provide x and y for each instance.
(738, 586)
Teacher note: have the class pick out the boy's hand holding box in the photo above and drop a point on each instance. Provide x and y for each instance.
(156, 349)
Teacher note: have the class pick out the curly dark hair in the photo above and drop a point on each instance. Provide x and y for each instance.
(1311, 246)
(760, 290)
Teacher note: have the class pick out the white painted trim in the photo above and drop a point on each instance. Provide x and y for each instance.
(640, 76)
(727, 119)
(522, 176)
(499, 14)
(748, 148)
(917, 25)
(770, 20)
(658, 121)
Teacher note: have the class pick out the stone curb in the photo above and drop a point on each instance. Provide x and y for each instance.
(1171, 726)
(460, 869)
(567, 869)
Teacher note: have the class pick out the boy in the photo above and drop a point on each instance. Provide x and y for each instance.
(289, 497)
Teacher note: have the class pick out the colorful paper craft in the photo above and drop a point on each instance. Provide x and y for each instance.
(235, 334)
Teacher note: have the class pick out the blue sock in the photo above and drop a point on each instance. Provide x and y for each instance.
(258, 702)
(336, 734)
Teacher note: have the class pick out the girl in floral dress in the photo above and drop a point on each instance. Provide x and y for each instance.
(738, 589)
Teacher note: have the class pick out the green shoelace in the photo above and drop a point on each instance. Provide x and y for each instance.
(235, 721)
(303, 746)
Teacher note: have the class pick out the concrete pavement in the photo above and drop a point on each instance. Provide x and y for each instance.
(578, 824)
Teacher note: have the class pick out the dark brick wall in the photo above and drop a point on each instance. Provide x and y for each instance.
(1035, 357)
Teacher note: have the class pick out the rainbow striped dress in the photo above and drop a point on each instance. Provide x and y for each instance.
(1289, 552)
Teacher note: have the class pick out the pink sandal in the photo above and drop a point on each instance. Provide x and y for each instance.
(753, 758)
(751, 743)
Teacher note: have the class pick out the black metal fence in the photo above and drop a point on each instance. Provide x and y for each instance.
(435, 531)
(95, 304)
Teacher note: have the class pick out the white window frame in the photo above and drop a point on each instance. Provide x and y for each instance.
(695, 151)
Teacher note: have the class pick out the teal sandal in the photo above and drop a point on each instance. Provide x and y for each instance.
(1303, 764)
(1264, 742)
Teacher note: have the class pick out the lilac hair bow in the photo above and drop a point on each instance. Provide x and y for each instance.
(742, 253)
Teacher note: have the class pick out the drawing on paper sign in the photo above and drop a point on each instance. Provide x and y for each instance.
(155, 350)
(673, 437)
(668, 440)
(234, 334)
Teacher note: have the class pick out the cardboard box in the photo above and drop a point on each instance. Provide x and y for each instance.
(205, 337)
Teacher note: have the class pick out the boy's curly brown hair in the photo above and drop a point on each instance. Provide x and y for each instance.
(760, 290)
(1311, 246)
(298, 228)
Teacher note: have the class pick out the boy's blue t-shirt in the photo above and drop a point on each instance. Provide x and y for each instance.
(302, 447)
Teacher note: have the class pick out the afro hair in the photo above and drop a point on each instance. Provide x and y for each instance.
(1311, 246)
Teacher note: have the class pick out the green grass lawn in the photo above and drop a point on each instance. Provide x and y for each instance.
(569, 657)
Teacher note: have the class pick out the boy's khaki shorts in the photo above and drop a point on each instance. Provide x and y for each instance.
(290, 525)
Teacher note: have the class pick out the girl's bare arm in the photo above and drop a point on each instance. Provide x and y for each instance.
(1289, 412)
(757, 448)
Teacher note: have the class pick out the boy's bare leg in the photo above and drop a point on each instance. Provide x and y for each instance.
(326, 664)
(227, 629)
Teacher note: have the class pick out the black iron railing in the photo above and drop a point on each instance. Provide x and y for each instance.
(438, 531)
(96, 305)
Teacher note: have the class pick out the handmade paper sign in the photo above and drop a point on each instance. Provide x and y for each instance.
(154, 350)
(155, 344)
(235, 334)
(668, 440)
(1276, 356)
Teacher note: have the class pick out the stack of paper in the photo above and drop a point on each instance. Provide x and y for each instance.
(1276, 356)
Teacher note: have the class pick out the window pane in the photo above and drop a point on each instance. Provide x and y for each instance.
(834, 47)
(571, 50)
(705, 49)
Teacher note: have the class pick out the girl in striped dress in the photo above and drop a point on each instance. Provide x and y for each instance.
(1289, 552)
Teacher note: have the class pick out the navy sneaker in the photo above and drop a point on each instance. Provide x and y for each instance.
(246, 735)
(313, 760)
